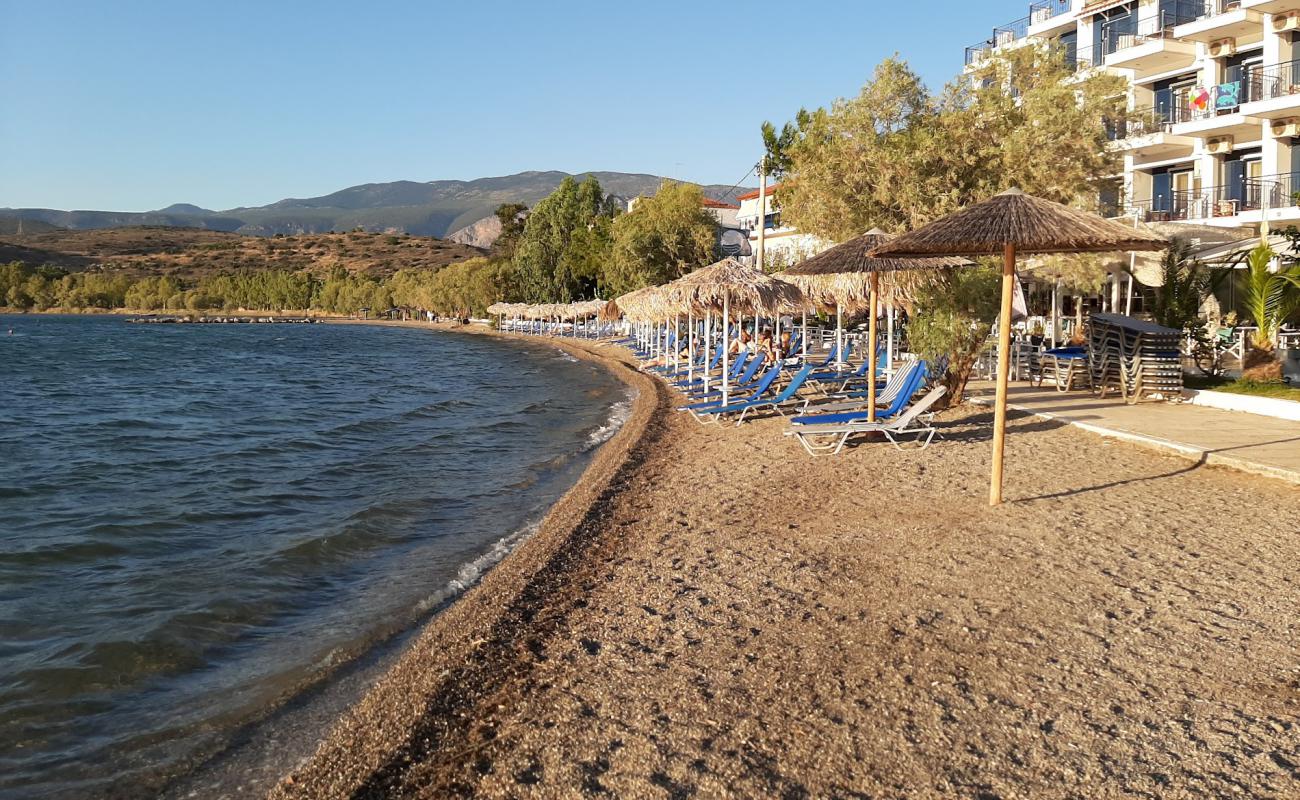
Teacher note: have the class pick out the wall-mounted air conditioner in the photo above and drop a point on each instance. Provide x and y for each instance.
(1223, 48)
(1218, 145)
(1284, 128)
(1286, 21)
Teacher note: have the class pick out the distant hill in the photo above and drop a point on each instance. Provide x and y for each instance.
(193, 253)
(12, 224)
(433, 208)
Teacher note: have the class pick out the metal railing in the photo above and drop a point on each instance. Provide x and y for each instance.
(1010, 33)
(978, 52)
(1173, 207)
(1277, 80)
(1142, 122)
(1281, 190)
(1043, 10)
(1125, 32)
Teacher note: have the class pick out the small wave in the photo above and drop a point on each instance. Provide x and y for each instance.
(470, 572)
(618, 414)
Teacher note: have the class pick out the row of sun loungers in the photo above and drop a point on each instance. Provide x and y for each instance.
(825, 397)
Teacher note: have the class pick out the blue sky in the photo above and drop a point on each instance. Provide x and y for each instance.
(133, 105)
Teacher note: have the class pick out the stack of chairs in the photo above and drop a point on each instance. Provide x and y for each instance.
(1136, 358)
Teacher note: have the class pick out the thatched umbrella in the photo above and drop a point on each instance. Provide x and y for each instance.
(848, 275)
(1009, 223)
(725, 285)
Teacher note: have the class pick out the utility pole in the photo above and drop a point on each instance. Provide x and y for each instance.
(762, 211)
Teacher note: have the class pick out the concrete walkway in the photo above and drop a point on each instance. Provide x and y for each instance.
(1248, 442)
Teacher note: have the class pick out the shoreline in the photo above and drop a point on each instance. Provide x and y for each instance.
(451, 660)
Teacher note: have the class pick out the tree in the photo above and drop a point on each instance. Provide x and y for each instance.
(897, 157)
(951, 324)
(547, 270)
(511, 216)
(1269, 297)
(1184, 286)
(662, 238)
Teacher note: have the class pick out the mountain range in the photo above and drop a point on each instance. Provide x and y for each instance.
(432, 208)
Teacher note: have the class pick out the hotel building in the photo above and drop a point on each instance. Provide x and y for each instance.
(1215, 87)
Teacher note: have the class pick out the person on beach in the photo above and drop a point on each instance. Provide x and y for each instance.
(783, 345)
(765, 345)
(741, 343)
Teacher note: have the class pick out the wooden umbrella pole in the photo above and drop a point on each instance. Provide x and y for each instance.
(708, 334)
(871, 348)
(1004, 372)
(690, 345)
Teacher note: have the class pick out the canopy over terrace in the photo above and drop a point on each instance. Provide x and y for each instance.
(1008, 223)
(848, 275)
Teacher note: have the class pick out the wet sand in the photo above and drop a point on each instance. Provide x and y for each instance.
(711, 612)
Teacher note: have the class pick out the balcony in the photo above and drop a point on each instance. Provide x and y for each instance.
(1003, 36)
(1279, 193)
(1174, 207)
(1149, 135)
(1208, 111)
(1274, 91)
(1221, 19)
(1147, 46)
(1049, 18)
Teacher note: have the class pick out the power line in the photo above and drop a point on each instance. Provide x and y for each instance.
(743, 178)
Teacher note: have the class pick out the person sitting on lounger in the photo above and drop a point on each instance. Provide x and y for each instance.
(784, 345)
(741, 344)
(765, 345)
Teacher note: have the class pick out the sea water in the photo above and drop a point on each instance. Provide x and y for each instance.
(200, 522)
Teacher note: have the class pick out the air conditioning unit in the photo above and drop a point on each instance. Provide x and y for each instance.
(1283, 128)
(1218, 145)
(1223, 48)
(1286, 21)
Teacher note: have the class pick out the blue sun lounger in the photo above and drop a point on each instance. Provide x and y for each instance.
(889, 402)
(745, 381)
(714, 412)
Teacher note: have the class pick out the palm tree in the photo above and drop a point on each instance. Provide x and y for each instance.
(1270, 298)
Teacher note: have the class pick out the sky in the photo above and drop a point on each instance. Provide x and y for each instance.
(135, 105)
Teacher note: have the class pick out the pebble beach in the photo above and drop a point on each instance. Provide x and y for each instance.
(711, 612)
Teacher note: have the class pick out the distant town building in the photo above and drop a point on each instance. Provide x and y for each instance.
(783, 245)
(724, 213)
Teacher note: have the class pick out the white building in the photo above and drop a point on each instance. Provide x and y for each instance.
(1216, 84)
(783, 245)
(724, 213)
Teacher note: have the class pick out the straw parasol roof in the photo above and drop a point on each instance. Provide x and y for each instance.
(1031, 224)
(843, 273)
(744, 288)
(645, 304)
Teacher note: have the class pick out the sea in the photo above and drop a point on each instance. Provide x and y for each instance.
(214, 537)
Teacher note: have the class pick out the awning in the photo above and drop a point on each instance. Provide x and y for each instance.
(1225, 254)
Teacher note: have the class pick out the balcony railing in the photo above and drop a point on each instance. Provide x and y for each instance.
(978, 52)
(1122, 33)
(1281, 191)
(1278, 80)
(1043, 10)
(1010, 33)
(1173, 207)
(1142, 122)
(1203, 102)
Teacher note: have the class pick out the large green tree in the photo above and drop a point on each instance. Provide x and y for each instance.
(554, 260)
(897, 156)
(663, 238)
